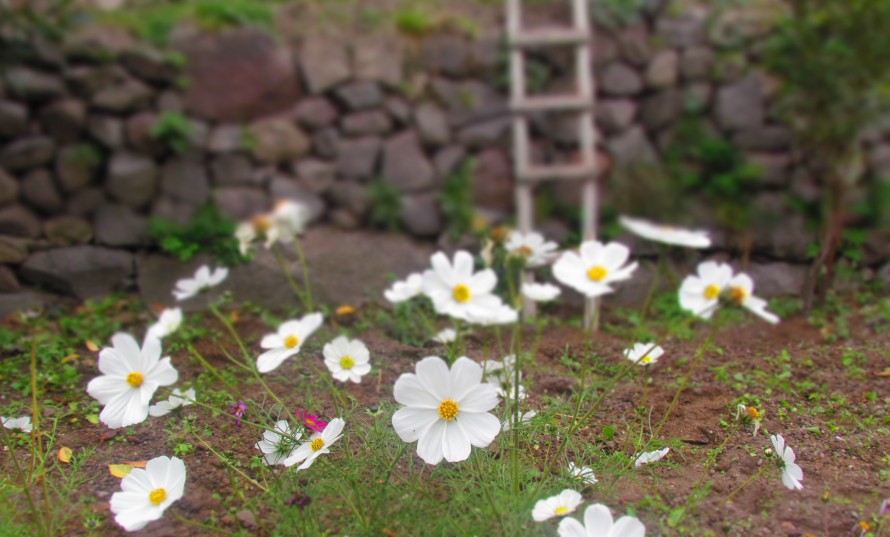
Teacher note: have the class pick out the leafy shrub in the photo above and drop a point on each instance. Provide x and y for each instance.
(208, 232)
(386, 205)
(457, 200)
(175, 130)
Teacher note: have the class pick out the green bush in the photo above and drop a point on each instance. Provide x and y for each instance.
(457, 200)
(386, 205)
(208, 232)
(175, 130)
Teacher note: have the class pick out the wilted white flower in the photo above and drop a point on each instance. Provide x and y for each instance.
(287, 341)
(582, 473)
(203, 279)
(598, 265)
(540, 292)
(176, 400)
(666, 234)
(741, 289)
(406, 289)
(168, 322)
(445, 336)
(146, 493)
(532, 247)
(22, 424)
(318, 445)
(520, 419)
(598, 523)
(792, 474)
(279, 443)
(560, 505)
(347, 359)
(651, 456)
(644, 353)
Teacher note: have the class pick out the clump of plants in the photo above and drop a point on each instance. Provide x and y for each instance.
(209, 231)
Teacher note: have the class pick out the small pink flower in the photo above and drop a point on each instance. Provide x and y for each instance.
(238, 411)
(311, 421)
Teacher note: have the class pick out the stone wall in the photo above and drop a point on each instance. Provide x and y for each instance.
(320, 119)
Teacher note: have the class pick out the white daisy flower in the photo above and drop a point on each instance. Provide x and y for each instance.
(22, 424)
(501, 376)
(169, 321)
(347, 359)
(289, 219)
(667, 234)
(176, 400)
(598, 523)
(595, 267)
(792, 474)
(583, 474)
(459, 292)
(700, 293)
(250, 230)
(147, 492)
(445, 411)
(560, 505)
(644, 353)
(279, 443)
(317, 445)
(497, 315)
(741, 291)
(651, 456)
(520, 419)
(131, 376)
(203, 279)
(287, 341)
(532, 247)
(406, 289)
(540, 292)
(447, 335)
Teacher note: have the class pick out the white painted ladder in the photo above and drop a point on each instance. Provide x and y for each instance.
(581, 102)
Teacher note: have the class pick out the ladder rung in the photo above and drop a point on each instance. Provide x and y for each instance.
(549, 37)
(558, 102)
(559, 171)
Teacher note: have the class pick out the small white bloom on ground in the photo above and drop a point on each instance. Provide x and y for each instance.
(21, 424)
(651, 456)
(501, 376)
(403, 290)
(497, 315)
(560, 505)
(318, 445)
(279, 443)
(583, 473)
(203, 279)
(520, 419)
(598, 523)
(750, 414)
(741, 291)
(792, 474)
(676, 236)
(176, 400)
(459, 292)
(287, 341)
(131, 376)
(169, 321)
(700, 292)
(595, 267)
(532, 247)
(146, 493)
(347, 359)
(644, 353)
(445, 411)
(447, 335)
(540, 292)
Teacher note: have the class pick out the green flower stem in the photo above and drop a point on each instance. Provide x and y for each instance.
(712, 459)
(285, 268)
(514, 414)
(215, 372)
(236, 469)
(746, 483)
(656, 279)
(304, 268)
(36, 515)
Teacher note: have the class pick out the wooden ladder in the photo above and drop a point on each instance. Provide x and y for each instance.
(580, 103)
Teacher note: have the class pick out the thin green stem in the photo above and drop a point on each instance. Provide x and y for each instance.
(238, 470)
(285, 268)
(746, 483)
(36, 516)
(304, 268)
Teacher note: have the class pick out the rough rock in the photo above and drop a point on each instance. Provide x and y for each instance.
(326, 143)
(12, 250)
(493, 187)
(185, 179)
(109, 131)
(740, 105)
(630, 147)
(619, 79)
(421, 214)
(40, 192)
(132, 178)
(84, 202)
(64, 119)
(317, 175)
(776, 167)
(367, 123)
(446, 54)
(225, 138)
(615, 115)
(697, 63)
(697, 96)
(278, 140)
(432, 123)
(119, 225)
(126, 96)
(448, 159)
(8, 282)
(663, 70)
(662, 109)
(241, 203)
(352, 196)
(778, 279)
(33, 86)
(404, 164)
(26, 153)
(634, 44)
(764, 138)
(173, 209)
(485, 133)
(360, 95)
(357, 159)
(316, 113)
(680, 32)
(149, 64)
(83, 271)
(13, 119)
(325, 63)
(399, 109)
(19, 221)
(171, 102)
(378, 58)
(469, 102)
(68, 231)
(85, 81)
(9, 188)
(232, 170)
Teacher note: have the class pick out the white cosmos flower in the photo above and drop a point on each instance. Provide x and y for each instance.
(203, 279)
(792, 474)
(445, 411)
(540, 292)
(287, 341)
(347, 359)
(500, 314)
(667, 234)
(598, 523)
(741, 291)
(595, 267)
(22, 424)
(520, 419)
(446, 336)
(289, 219)
(317, 445)
(176, 400)
(700, 293)
(583, 473)
(651, 456)
(406, 289)
(644, 353)
(131, 376)
(459, 292)
(279, 443)
(169, 321)
(501, 376)
(532, 247)
(560, 505)
(146, 493)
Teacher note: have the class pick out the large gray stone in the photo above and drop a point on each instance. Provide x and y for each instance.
(485, 133)
(82, 271)
(469, 102)
(278, 140)
(326, 142)
(740, 105)
(620, 80)
(316, 113)
(232, 170)
(76, 165)
(119, 225)
(40, 192)
(662, 108)
(367, 123)
(26, 153)
(360, 95)
(352, 196)
(19, 221)
(634, 44)
(8, 282)
(357, 159)
(124, 97)
(448, 159)
(446, 54)
(764, 138)
(13, 250)
(421, 214)
(185, 179)
(631, 147)
(67, 231)
(64, 119)
(615, 115)
(432, 123)
(13, 119)
(132, 179)
(404, 164)
(85, 81)
(681, 32)
(379, 58)
(32, 85)
(149, 64)
(493, 185)
(316, 175)
(663, 70)
(697, 63)
(325, 63)
(9, 188)
(775, 167)
(107, 130)
(225, 138)
(241, 203)
(84, 202)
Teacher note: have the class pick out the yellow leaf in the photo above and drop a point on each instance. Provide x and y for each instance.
(92, 346)
(120, 470)
(65, 454)
(70, 358)
(136, 464)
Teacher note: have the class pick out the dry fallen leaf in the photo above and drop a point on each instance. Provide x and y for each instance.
(120, 470)
(136, 464)
(65, 454)
(92, 346)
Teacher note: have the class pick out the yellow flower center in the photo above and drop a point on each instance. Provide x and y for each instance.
(738, 294)
(462, 293)
(561, 510)
(157, 496)
(524, 251)
(261, 223)
(449, 410)
(291, 341)
(753, 413)
(646, 359)
(347, 362)
(598, 273)
(135, 379)
(712, 291)
(317, 444)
